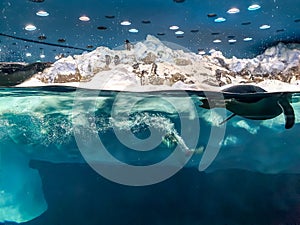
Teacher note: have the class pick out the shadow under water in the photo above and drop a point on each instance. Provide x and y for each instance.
(77, 195)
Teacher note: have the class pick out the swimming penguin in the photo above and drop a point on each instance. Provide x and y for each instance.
(169, 140)
(256, 107)
(12, 74)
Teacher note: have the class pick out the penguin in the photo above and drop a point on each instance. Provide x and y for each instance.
(128, 45)
(256, 107)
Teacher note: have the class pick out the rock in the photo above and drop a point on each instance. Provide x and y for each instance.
(64, 78)
(65, 66)
(277, 67)
(214, 83)
(271, 52)
(237, 65)
(177, 77)
(150, 58)
(222, 62)
(12, 74)
(182, 62)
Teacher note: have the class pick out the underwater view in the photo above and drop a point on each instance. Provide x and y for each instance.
(79, 156)
(149, 112)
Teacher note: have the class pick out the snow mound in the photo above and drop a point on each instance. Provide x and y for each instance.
(152, 63)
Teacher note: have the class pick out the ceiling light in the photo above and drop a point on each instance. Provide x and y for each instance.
(233, 11)
(254, 7)
(212, 51)
(133, 30)
(30, 27)
(179, 32)
(231, 40)
(202, 52)
(125, 23)
(42, 13)
(28, 54)
(217, 41)
(264, 27)
(42, 56)
(248, 39)
(173, 27)
(220, 20)
(84, 18)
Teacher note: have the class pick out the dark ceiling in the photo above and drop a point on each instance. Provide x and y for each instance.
(62, 31)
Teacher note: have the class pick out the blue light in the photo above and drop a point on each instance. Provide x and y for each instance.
(30, 27)
(253, 7)
(179, 32)
(217, 41)
(42, 13)
(233, 11)
(248, 39)
(133, 30)
(264, 27)
(220, 20)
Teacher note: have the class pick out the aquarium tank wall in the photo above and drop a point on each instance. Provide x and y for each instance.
(149, 112)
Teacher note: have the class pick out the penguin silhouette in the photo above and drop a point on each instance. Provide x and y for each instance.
(256, 107)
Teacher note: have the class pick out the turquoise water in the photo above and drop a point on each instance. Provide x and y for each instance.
(75, 156)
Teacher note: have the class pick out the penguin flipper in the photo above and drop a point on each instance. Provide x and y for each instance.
(288, 112)
(228, 118)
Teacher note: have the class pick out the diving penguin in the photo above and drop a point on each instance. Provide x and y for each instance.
(12, 74)
(239, 100)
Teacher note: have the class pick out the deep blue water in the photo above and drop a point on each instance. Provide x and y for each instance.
(253, 178)
(80, 196)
